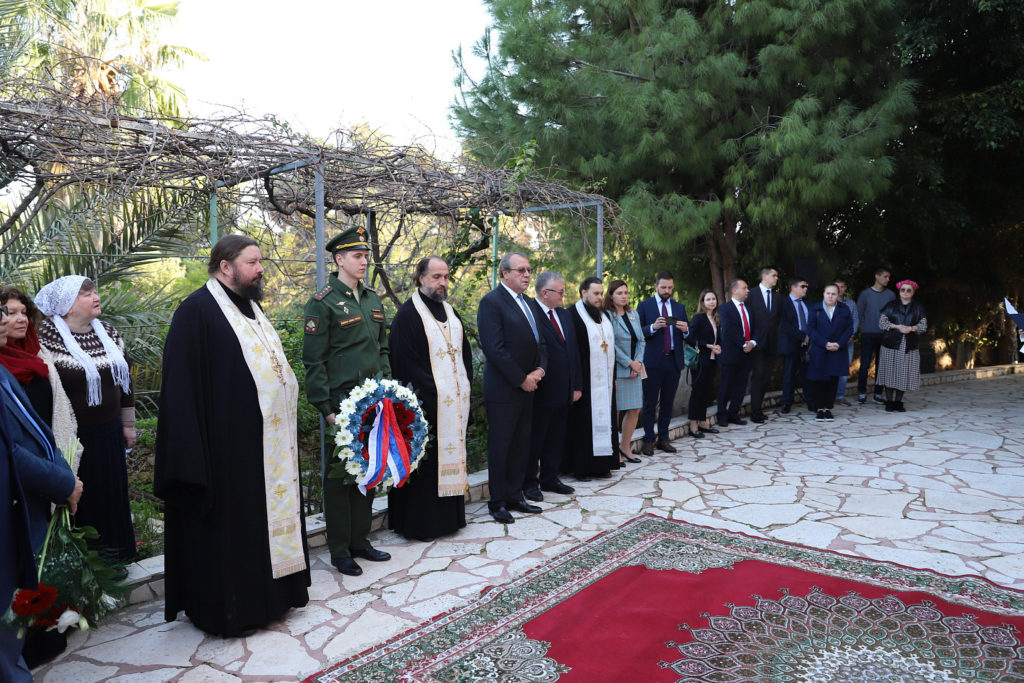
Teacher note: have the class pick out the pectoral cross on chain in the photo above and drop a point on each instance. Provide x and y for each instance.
(450, 352)
(604, 346)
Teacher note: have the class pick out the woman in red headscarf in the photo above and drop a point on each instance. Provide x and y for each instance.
(21, 354)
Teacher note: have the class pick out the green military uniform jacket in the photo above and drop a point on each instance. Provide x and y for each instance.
(345, 342)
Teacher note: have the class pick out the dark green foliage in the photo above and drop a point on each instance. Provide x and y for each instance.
(953, 219)
(711, 123)
(308, 419)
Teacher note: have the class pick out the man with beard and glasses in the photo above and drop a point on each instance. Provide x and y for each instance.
(227, 462)
(430, 351)
(593, 444)
(345, 343)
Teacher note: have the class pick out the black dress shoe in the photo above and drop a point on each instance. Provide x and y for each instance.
(759, 419)
(697, 434)
(647, 448)
(738, 421)
(502, 515)
(665, 446)
(533, 493)
(628, 457)
(558, 487)
(522, 506)
(371, 554)
(347, 566)
(785, 409)
(708, 430)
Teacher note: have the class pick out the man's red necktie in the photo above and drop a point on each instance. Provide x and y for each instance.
(551, 317)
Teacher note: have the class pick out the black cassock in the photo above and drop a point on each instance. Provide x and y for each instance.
(579, 457)
(209, 471)
(415, 510)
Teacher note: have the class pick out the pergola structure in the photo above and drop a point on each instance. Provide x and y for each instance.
(49, 142)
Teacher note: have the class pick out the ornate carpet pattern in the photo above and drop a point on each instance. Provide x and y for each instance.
(662, 600)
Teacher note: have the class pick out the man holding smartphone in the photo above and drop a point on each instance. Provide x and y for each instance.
(665, 327)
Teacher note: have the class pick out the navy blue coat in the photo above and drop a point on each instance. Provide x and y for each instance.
(790, 336)
(507, 341)
(649, 311)
(563, 372)
(826, 364)
(16, 565)
(43, 481)
(730, 333)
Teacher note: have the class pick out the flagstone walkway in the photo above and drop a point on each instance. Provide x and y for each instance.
(940, 487)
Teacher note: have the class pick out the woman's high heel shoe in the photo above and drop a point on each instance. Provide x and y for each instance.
(628, 457)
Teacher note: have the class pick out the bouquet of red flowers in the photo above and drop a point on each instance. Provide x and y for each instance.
(76, 587)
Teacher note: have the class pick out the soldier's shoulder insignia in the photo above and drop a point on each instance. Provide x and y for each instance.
(312, 325)
(322, 293)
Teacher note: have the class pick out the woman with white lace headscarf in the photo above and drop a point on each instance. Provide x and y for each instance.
(89, 357)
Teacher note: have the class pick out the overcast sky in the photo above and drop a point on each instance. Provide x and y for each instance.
(322, 65)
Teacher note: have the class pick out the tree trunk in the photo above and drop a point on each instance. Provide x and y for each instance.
(722, 253)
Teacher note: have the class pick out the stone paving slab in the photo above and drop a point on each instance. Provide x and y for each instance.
(942, 488)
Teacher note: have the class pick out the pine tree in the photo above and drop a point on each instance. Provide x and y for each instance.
(709, 122)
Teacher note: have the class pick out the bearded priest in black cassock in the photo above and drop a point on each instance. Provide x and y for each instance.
(227, 458)
(430, 351)
(591, 446)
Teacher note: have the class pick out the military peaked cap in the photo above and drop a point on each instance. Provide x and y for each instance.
(353, 238)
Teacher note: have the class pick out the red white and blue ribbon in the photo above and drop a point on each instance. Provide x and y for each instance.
(386, 449)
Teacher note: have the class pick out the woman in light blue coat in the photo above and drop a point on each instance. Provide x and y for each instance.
(629, 367)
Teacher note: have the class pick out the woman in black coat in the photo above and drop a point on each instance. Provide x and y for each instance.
(704, 336)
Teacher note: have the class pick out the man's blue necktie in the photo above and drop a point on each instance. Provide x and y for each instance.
(533, 323)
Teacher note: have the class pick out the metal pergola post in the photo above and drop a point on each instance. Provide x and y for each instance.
(600, 228)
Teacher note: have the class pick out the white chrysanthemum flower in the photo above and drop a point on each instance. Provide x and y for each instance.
(343, 437)
(346, 454)
(353, 467)
(347, 407)
(69, 618)
(357, 394)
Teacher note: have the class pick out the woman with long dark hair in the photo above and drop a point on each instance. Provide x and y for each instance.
(704, 337)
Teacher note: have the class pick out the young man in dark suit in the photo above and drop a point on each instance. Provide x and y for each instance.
(561, 387)
(665, 327)
(738, 338)
(793, 341)
(516, 362)
(764, 304)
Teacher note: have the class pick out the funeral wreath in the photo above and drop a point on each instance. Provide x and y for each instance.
(381, 435)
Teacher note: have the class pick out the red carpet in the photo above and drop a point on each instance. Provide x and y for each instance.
(659, 600)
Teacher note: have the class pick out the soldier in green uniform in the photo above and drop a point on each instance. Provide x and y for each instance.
(345, 342)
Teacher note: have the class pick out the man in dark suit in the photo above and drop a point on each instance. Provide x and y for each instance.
(560, 388)
(793, 341)
(763, 305)
(516, 362)
(665, 327)
(33, 474)
(738, 338)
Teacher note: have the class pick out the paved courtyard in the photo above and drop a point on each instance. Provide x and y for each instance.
(939, 487)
